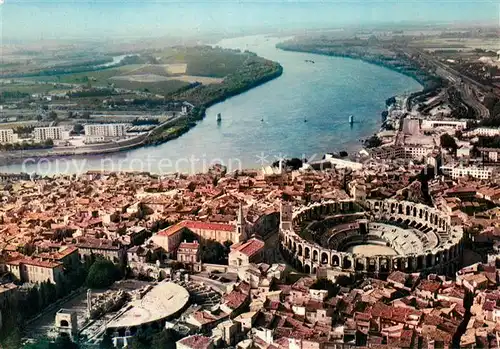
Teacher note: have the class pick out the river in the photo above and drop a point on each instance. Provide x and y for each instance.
(302, 113)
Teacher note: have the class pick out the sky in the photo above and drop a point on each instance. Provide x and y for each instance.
(72, 19)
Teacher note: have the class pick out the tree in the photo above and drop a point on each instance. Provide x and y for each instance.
(64, 342)
(107, 342)
(448, 142)
(165, 339)
(13, 340)
(78, 128)
(373, 142)
(212, 251)
(52, 115)
(102, 274)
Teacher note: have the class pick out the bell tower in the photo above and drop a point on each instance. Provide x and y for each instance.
(285, 216)
(241, 232)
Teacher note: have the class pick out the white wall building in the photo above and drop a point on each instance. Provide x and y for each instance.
(7, 136)
(431, 124)
(470, 171)
(105, 130)
(42, 134)
(485, 131)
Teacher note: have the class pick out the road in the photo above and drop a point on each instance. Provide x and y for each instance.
(468, 87)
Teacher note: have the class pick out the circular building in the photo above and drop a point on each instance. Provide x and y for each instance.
(374, 237)
(160, 303)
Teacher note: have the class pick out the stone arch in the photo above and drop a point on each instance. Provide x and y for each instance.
(400, 208)
(398, 264)
(314, 270)
(409, 264)
(428, 260)
(294, 247)
(335, 260)
(307, 252)
(420, 213)
(420, 262)
(384, 266)
(324, 258)
(438, 259)
(407, 210)
(307, 269)
(315, 255)
(64, 323)
(346, 263)
(300, 250)
(372, 265)
(360, 264)
(414, 212)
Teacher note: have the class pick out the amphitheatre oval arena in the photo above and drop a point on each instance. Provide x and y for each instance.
(371, 237)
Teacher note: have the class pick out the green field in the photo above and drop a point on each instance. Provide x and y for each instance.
(31, 89)
(189, 64)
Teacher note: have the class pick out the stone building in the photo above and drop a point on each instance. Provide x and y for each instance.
(35, 270)
(188, 252)
(242, 254)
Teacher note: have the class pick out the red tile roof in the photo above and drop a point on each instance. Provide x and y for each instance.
(35, 262)
(196, 225)
(197, 342)
(207, 226)
(235, 299)
(250, 248)
(189, 245)
(172, 230)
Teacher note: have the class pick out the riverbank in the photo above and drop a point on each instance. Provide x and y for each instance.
(262, 71)
(395, 60)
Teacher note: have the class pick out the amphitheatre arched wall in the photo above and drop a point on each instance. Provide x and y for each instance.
(432, 243)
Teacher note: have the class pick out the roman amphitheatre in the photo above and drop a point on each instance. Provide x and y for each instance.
(373, 237)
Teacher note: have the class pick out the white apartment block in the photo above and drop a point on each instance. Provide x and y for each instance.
(105, 130)
(417, 152)
(485, 131)
(7, 136)
(42, 134)
(471, 171)
(430, 124)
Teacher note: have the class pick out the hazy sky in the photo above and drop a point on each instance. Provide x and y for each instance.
(53, 19)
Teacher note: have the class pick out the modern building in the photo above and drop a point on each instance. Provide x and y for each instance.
(430, 124)
(7, 136)
(41, 134)
(105, 130)
(484, 131)
(469, 171)
(490, 154)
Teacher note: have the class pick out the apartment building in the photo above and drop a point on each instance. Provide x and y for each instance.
(7, 136)
(484, 131)
(105, 130)
(468, 171)
(41, 134)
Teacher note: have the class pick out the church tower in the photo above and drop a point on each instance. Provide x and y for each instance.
(241, 233)
(285, 216)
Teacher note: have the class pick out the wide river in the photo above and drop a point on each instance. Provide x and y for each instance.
(304, 112)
